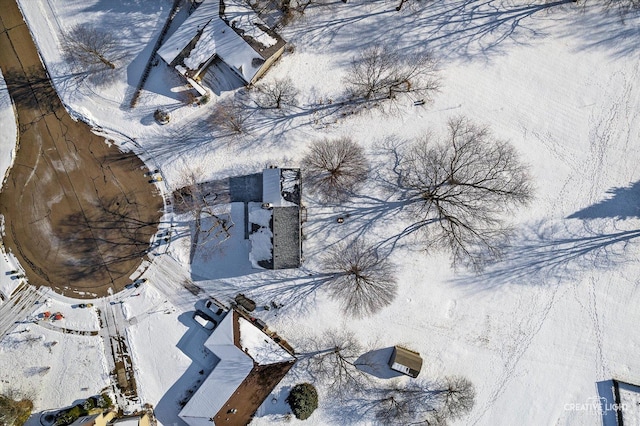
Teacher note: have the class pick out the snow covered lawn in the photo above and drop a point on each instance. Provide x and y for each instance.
(536, 333)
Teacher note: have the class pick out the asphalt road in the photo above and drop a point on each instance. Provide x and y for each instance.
(79, 214)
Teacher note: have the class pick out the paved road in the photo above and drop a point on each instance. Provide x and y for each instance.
(79, 214)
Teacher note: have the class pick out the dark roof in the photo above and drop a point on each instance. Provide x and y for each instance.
(286, 237)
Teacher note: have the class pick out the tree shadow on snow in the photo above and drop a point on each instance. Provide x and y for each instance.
(290, 290)
(615, 30)
(451, 29)
(555, 251)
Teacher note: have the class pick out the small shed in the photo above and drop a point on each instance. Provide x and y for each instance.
(405, 361)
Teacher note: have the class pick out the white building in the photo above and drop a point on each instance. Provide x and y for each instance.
(232, 41)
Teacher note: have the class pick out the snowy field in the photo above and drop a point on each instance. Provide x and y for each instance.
(535, 333)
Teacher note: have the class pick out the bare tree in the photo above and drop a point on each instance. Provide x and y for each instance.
(277, 94)
(332, 359)
(363, 281)
(458, 396)
(335, 169)
(623, 6)
(406, 403)
(91, 50)
(208, 224)
(230, 115)
(424, 403)
(459, 189)
(382, 73)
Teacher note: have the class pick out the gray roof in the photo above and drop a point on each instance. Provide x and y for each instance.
(286, 237)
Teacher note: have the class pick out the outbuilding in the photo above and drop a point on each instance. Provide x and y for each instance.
(405, 361)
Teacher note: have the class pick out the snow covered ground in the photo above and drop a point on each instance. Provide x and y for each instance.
(535, 333)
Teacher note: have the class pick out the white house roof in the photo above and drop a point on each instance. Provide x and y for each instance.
(172, 47)
(262, 349)
(216, 38)
(234, 366)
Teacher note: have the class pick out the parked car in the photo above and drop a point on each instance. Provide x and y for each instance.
(204, 320)
(214, 307)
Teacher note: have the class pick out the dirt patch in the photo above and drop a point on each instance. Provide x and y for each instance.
(79, 214)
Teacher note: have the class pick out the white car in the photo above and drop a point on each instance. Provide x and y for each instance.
(204, 320)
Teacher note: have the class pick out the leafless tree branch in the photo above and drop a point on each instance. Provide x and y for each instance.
(363, 281)
(461, 187)
(335, 169)
(382, 73)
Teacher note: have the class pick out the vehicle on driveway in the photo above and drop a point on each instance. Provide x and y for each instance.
(204, 320)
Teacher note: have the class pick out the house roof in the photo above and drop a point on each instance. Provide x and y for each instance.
(281, 189)
(286, 237)
(227, 375)
(244, 46)
(407, 358)
(85, 420)
(243, 352)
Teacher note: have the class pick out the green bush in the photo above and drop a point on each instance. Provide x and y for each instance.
(14, 413)
(70, 415)
(303, 400)
(103, 401)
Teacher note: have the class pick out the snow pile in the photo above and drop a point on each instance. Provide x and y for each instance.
(259, 346)
(260, 216)
(9, 130)
(261, 239)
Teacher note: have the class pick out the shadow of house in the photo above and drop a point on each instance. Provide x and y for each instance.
(227, 36)
(250, 365)
(376, 363)
(276, 224)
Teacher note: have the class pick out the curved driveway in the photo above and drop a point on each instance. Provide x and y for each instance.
(79, 214)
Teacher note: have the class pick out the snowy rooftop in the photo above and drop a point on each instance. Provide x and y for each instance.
(234, 366)
(281, 187)
(629, 403)
(278, 240)
(237, 344)
(259, 346)
(205, 34)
